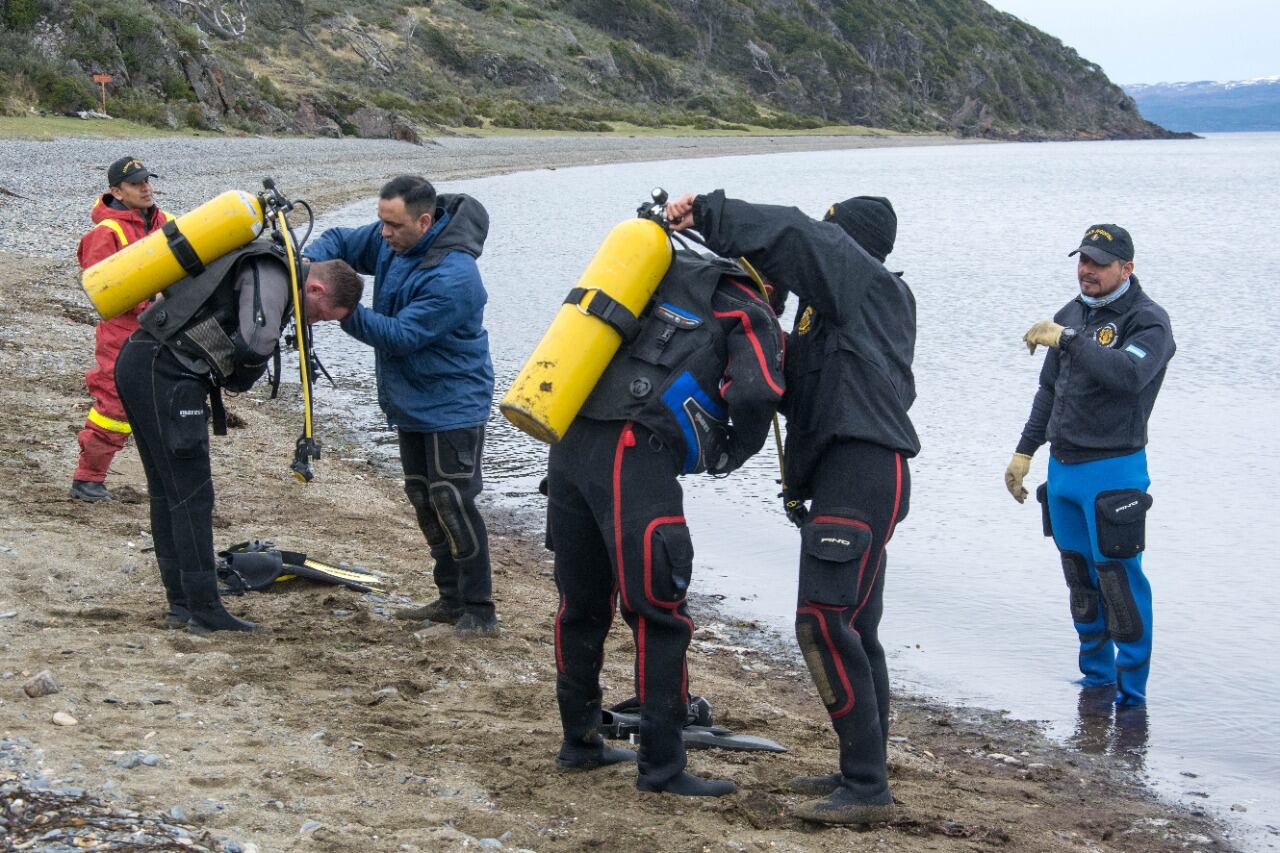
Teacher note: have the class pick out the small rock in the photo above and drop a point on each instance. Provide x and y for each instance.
(310, 827)
(41, 684)
(129, 761)
(489, 843)
(62, 718)
(1238, 807)
(151, 759)
(8, 614)
(1007, 759)
(341, 613)
(177, 813)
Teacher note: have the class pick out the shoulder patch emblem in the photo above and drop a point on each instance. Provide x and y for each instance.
(1106, 336)
(805, 323)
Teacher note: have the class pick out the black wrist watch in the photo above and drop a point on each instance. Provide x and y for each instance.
(1068, 335)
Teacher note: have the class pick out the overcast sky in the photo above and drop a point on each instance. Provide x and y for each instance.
(1164, 41)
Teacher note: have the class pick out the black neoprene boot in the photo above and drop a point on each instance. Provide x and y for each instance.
(844, 807)
(178, 614)
(207, 612)
(662, 758)
(688, 785)
(815, 786)
(443, 610)
(591, 753)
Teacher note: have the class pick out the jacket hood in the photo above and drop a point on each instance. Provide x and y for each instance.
(465, 231)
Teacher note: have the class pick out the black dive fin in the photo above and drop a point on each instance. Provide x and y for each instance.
(241, 571)
(300, 565)
(722, 738)
(620, 725)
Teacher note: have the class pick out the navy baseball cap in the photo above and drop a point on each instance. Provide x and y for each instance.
(128, 170)
(1106, 244)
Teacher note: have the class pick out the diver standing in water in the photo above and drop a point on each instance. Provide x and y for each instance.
(435, 377)
(124, 214)
(1106, 352)
(213, 330)
(693, 389)
(849, 386)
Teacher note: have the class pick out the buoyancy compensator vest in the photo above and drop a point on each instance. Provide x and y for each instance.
(198, 317)
(667, 377)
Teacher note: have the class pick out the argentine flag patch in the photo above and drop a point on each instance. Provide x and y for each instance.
(1136, 350)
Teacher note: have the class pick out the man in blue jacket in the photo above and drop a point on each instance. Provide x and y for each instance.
(435, 378)
(1107, 352)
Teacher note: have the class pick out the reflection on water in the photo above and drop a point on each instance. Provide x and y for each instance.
(1105, 728)
(975, 607)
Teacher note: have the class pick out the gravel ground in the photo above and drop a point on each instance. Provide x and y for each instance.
(44, 205)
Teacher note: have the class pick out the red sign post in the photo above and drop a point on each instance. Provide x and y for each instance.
(102, 80)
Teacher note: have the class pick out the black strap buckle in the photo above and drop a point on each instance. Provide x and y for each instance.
(182, 249)
(609, 310)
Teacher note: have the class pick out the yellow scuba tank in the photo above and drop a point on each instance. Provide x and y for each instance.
(144, 268)
(578, 346)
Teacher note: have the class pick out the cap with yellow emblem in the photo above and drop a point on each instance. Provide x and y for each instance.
(1106, 244)
(128, 170)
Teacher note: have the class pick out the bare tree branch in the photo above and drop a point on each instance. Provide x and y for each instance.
(225, 18)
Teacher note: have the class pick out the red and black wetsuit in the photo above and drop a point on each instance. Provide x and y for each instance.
(849, 386)
(695, 390)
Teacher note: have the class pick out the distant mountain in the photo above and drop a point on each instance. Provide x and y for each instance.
(1210, 106)
(391, 67)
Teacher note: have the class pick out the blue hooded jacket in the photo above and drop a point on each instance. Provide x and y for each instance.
(427, 321)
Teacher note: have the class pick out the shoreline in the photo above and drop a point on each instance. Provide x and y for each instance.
(392, 737)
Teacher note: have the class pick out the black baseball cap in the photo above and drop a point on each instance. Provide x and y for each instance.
(1106, 244)
(128, 170)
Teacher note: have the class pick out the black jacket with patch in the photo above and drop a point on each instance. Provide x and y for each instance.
(1097, 389)
(849, 354)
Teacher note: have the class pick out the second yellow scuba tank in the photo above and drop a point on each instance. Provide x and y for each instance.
(585, 336)
(144, 268)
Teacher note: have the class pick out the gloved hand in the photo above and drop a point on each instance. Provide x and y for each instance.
(794, 507)
(1019, 465)
(1045, 333)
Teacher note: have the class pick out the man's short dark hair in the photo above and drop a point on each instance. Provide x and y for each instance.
(418, 194)
(344, 285)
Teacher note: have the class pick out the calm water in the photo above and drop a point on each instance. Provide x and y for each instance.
(976, 608)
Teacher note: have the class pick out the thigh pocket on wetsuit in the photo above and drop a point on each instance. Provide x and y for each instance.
(1042, 496)
(188, 431)
(1121, 516)
(834, 550)
(668, 563)
(456, 452)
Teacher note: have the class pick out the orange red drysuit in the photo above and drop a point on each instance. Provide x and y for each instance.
(107, 428)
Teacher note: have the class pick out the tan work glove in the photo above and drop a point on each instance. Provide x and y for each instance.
(1045, 333)
(1019, 465)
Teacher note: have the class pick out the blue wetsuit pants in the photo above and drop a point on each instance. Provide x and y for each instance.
(1110, 596)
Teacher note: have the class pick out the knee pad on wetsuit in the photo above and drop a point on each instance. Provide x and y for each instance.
(1124, 620)
(416, 490)
(446, 500)
(1084, 598)
(807, 633)
(833, 553)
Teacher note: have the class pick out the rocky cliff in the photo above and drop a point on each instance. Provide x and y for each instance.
(389, 68)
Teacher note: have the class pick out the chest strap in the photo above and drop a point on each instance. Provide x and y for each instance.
(608, 309)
